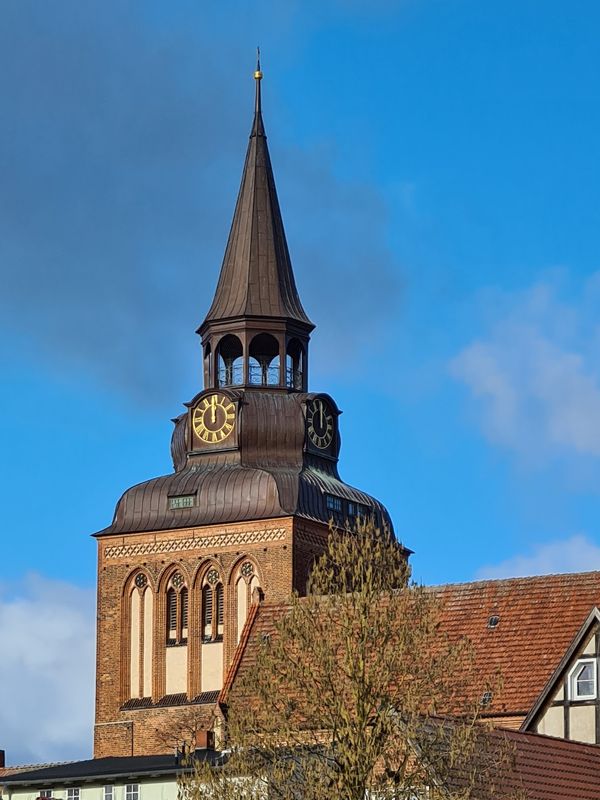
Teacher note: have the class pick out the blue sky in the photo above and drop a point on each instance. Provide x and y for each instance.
(437, 166)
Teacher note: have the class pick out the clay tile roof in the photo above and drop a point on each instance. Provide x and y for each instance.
(240, 649)
(553, 769)
(6, 772)
(538, 619)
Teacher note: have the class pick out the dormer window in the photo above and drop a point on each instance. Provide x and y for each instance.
(357, 510)
(334, 504)
(182, 501)
(583, 680)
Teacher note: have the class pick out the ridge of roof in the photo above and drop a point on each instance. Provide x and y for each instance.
(13, 769)
(516, 579)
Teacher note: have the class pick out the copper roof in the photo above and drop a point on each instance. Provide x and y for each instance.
(269, 476)
(232, 493)
(538, 619)
(256, 276)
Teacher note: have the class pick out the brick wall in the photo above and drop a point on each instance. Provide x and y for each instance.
(281, 549)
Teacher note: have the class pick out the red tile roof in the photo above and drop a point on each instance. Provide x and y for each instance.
(234, 666)
(5, 772)
(552, 769)
(538, 619)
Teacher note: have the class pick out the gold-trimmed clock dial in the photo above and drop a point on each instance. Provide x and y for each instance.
(319, 418)
(213, 419)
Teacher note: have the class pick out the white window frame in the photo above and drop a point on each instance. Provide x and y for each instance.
(45, 793)
(132, 791)
(108, 792)
(573, 693)
(74, 793)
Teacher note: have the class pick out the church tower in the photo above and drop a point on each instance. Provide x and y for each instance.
(247, 507)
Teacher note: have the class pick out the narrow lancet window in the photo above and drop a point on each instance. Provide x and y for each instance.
(212, 607)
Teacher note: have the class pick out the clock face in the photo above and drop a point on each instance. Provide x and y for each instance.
(213, 419)
(320, 423)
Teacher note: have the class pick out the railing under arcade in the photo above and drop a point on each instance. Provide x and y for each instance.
(259, 376)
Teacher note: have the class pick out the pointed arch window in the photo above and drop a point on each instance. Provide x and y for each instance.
(177, 610)
(245, 584)
(184, 611)
(219, 598)
(207, 612)
(212, 607)
(171, 615)
(141, 615)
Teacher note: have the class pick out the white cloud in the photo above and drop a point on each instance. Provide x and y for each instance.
(576, 554)
(535, 373)
(47, 643)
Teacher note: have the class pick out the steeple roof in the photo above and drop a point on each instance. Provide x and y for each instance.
(256, 277)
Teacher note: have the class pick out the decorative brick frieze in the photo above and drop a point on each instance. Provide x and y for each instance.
(195, 542)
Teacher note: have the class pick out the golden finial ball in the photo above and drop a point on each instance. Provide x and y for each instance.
(258, 75)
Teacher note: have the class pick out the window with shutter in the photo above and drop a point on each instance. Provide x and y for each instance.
(171, 616)
(207, 613)
(184, 615)
(219, 599)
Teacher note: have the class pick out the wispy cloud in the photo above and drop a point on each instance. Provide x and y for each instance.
(124, 129)
(352, 281)
(47, 631)
(575, 554)
(535, 373)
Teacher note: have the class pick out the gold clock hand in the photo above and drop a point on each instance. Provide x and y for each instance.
(321, 414)
(213, 406)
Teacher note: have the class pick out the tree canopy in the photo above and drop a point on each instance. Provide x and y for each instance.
(356, 692)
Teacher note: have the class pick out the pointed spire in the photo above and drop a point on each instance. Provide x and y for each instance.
(256, 276)
(258, 78)
(258, 129)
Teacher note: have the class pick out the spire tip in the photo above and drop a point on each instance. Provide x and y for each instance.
(257, 73)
